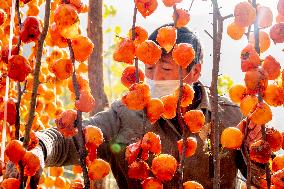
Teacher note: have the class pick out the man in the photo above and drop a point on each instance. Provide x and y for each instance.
(123, 126)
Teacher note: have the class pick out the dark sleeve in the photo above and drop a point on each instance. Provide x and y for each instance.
(60, 151)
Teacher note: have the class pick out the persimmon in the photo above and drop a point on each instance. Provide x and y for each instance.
(56, 54)
(276, 33)
(93, 136)
(151, 183)
(139, 169)
(11, 111)
(264, 16)
(187, 95)
(166, 37)
(138, 96)
(260, 151)
(170, 3)
(31, 163)
(280, 7)
(86, 102)
(77, 169)
(50, 109)
(83, 83)
(67, 21)
(278, 179)
(65, 123)
(34, 141)
(54, 38)
(170, 105)
(256, 81)
(56, 171)
(272, 67)
(60, 182)
(249, 58)
(279, 18)
(261, 114)
(129, 76)
(181, 17)
(15, 151)
(194, 120)
(33, 10)
(278, 163)
(132, 151)
(141, 35)
(82, 68)
(264, 41)
(183, 54)
(245, 14)
(148, 52)
(151, 142)
(146, 7)
(78, 4)
(102, 166)
(62, 68)
(30, 30)
(237, 92)
(164, 167)
(5, 52)
(49, 181)
(42, 178)
(10, 183)
(235, 31)
(274, 95)
(274, 138)
(18, 68)
(3, 16)
(232, 138)
(154, 109)
(192, 185)
(82, 47)
(124, 51)
(191, 146)
(247, 104)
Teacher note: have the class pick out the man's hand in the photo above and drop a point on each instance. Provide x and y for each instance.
(253, 132)
(12, 170)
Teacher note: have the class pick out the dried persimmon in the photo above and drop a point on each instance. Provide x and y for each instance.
(260, 151)
(183, 54)
(148, 52)
(191, 146)
(194, 120)
(139, 169)
(232, 138)
(129, 76)
(151, 142)
(86, 102)
(93, 136)
(124, 51)
(98, 169)
(154, 109)
(166, 37)
(164, 167)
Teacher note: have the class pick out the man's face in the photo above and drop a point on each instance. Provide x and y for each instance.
(167, 69)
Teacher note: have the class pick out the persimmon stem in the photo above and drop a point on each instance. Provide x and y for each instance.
(80, 140)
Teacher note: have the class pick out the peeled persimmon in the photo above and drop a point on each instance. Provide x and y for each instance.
(151, 142)
(245, 14)
(138, 96)
(86, 102)
(10, 183)
(170, 3)
(33, 10)
(280, 7)
(191, 146)
(264, 16)
(15, 151)
(166, 37)
(164, 167)
(98, 169)
(181, 17)
(249, 58)
(237, 92)
(54, 38)
(93, 136)
(18, 68)
(62, 68)
(77, 169)
(278, 163)
(124, 51)
(82, 47)
(279, 18)
(146, 7)
(235, 31)
(34, 141)
(261, 114)
(148, 52)
(256, 81)
(132, 151)
(139, 169)
(183, 54)
(247, 104)
(83, 83)
(170, 105)
(30, 30)
(276, 33)
(194, 120)
(274, 95)
(274, 138)
(141, 35)
(152, 183)
(154, 109)
(232, 138)
(129, 76)
(11, 111)
(65, 123)
(260, 151)
(60, 182)
(192, 185)
(272, 67)
(264, 41)
(187, 95)
(31, 163)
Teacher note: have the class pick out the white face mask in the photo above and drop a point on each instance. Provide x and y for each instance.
(161, 88)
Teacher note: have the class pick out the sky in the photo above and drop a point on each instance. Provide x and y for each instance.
(201, 20)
